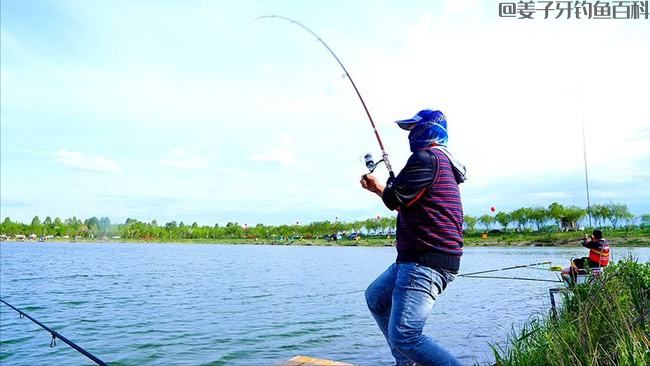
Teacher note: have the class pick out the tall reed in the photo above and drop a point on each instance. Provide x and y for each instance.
(601, 323)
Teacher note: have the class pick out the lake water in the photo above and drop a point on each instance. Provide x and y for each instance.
(186, 304)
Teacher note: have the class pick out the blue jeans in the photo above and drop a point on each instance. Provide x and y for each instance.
(401, 299)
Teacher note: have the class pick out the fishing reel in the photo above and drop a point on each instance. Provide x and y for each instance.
(370, 163)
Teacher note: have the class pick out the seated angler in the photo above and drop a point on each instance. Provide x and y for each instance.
(598, 258)
(598, 252)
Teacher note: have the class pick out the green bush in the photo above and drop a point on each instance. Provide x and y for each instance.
(601, 323)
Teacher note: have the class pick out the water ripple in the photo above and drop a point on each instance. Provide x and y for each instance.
(216, 305)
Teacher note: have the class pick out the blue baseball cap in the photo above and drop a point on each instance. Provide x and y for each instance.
(423, 116)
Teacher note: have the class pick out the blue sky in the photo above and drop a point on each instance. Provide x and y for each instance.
(194, 111)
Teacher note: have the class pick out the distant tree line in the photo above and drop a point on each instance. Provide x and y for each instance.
(135, 229)
(558, 217)
(522, 219)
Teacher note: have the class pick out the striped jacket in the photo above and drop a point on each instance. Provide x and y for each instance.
(430, 218)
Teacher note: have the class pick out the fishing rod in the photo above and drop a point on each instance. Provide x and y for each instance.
(584, 153)
(503, 269)
(515, 278)
(56, 335)
(370, 164)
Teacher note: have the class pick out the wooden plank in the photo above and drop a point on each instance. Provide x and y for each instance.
(310, 361)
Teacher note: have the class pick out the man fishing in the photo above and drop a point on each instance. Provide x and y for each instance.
(598, 252)
(429, 241)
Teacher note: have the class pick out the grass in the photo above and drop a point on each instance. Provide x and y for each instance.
(638, 238)
(601, 323)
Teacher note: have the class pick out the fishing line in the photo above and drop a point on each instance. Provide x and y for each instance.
(56, 335)
(466, 275)
(371, 165)
(503, 269)
(515, 278)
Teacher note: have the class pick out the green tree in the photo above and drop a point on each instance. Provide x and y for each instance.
(371, 225)
(631, 221)
(504, 219)
(83, 231)
(617, 212)
(573, 214)
(539, 215)
(36, 227)
(105, 225)
(470, 222)
(260, 230)
(388, 224)
(600, 213)
(557, 212)
(92, 224)
(355, 226)
(645, 220)
(521, 217)
(9, 227)
(339, 226)
(217, 232)
(283, 231)
(487, 221)
(36, 222)
(233, 230)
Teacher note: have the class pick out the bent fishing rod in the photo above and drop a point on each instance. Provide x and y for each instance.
(56, 335)
(370, 164)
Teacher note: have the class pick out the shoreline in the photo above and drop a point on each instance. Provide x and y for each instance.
(634, 240)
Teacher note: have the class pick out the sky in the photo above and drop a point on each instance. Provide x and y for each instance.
(196, 111)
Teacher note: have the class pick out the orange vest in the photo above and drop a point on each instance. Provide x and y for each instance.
(600, 256)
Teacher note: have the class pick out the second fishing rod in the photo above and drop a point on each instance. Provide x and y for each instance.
(368, 160)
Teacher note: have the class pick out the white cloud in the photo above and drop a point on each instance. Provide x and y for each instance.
(184, 160)
(514, 105)
(642, 177)
(551, 195)
(283, 152)
(512, 90)
(78, 161)
(605, 195)
(462, 7)
(281, 155)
